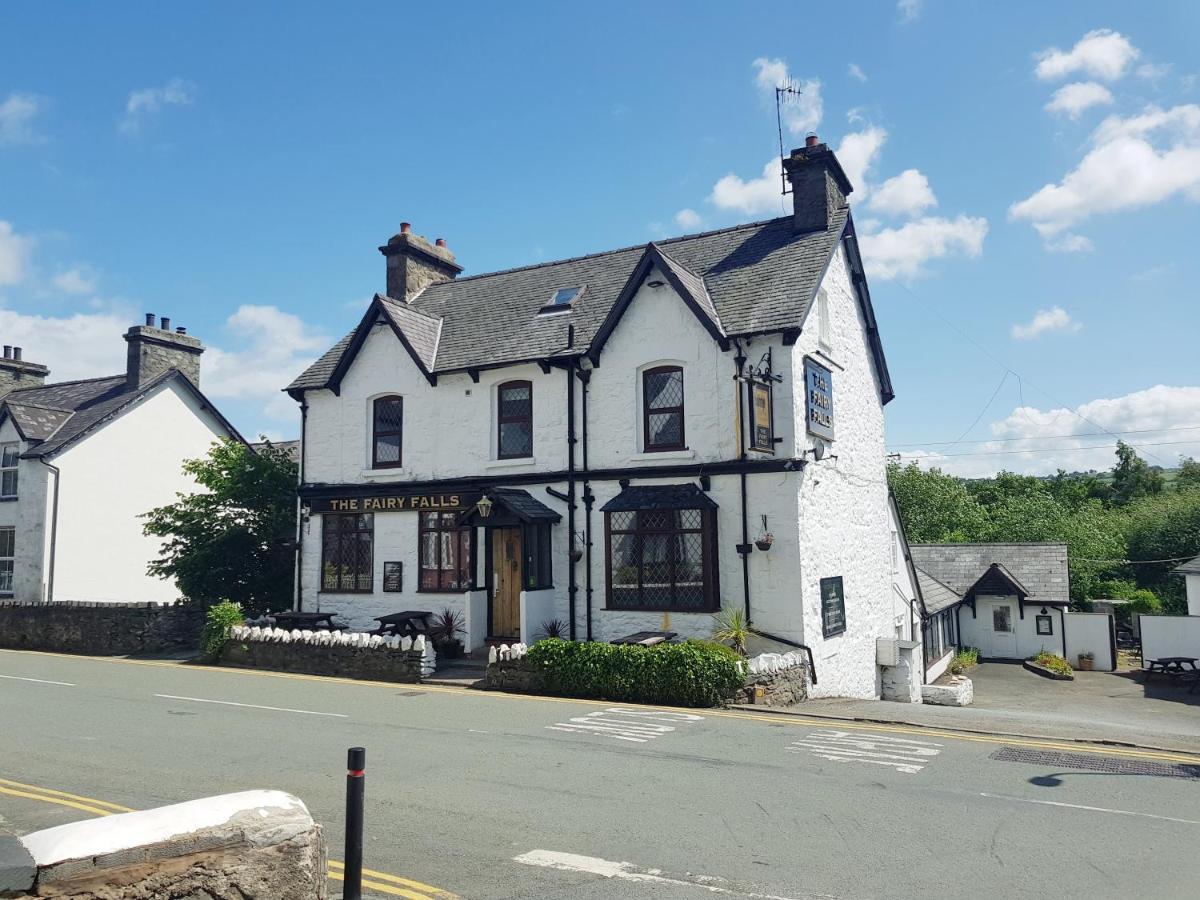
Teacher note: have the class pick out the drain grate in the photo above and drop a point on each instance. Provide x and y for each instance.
(1113, 765)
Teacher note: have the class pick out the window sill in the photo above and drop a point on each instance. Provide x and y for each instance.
(664, 454)
(514, 462)
(382, 473)
(11, 499)
(661, 609)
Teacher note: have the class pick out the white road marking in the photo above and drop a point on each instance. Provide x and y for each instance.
(1115, 812)
(636, 726)
(38, 680)
(604, 868)
(306, 712)
(902, 754)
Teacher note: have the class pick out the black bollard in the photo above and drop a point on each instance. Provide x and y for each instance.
(356, 763)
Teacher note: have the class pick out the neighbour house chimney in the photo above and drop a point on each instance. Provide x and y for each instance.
(17, 373)
(155, 349)
(819, 186)
(413, 263)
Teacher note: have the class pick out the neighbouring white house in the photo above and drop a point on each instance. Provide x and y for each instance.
(1191, 573)
(81, 461)
(628, 441)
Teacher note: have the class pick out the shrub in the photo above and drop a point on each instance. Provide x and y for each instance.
(694, 673)
(731, 629)
(966, 658)
(1053, 662)
(217, 622)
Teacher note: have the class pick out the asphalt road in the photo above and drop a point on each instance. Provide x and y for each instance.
(499, 796)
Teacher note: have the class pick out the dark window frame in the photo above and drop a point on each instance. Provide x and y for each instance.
(466, 566)
(376, 433)
(648, 410)
(710, 574)
(1049, 622)
(502, 420)
(366, 525)
(828, 631)
(538, 563)
(13, 469)
(8, 557)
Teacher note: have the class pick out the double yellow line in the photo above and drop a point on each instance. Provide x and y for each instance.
(379, 882)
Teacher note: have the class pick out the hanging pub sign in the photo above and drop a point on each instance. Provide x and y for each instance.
(397, 503)
(818, 399)
(762, 432)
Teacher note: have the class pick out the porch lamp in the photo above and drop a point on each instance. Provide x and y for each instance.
(484, 506)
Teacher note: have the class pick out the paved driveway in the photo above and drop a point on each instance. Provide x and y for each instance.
(1096, 706)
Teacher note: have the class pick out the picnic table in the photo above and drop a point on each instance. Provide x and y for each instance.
(313, 621)
(1172, 665)
(646, 638)
(409, 623)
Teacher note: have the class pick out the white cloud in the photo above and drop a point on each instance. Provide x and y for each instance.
(1054, 319)
(14, 254)
(82, 345)
(902, 252)
(910, 10)
(1133, 162)
(1072, 99)
(906, 194)
(1103, 53)
(858, 153)
(800, 113)
(1069, 243)
(688, 219)
(17, 113)
(147, 102)
(75, 281)
(756, 197)
(1157, 414)
(1153, 71)
(857, 73)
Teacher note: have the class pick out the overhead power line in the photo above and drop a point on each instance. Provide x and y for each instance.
(1034, 450)
(1132, 562)
(1049, 437)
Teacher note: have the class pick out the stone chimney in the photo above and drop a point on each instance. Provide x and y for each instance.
(153, 349)
(819, 186)
(16, 373)
(413, 263)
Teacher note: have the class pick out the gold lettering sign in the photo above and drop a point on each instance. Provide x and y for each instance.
(431, 502)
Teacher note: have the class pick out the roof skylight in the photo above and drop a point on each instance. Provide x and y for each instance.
(561, 300)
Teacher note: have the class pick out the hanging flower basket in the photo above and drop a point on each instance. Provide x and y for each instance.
(764, 541)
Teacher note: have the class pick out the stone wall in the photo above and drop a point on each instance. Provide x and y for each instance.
(782, 688)
(958, 691)
(100, 629)
(367, 661)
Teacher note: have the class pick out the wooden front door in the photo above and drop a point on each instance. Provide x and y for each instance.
(506, 583)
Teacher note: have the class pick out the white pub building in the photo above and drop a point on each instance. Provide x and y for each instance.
(631, 440)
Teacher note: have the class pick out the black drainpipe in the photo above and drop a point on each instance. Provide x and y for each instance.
(572, 587)
(300, 508)
(53, 531)
(589, 499)
(740, 363)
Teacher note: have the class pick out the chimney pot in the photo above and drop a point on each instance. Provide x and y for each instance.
(164, 323)
(405, 227)
(8, 351)
(181, 330)
(441, 242)
(150, 319)
(16, 353)
(811, 139)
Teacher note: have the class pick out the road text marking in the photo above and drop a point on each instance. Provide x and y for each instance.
(624, 724)
(901, 754)
(1115, 812)
(306, 712)
(38, 680)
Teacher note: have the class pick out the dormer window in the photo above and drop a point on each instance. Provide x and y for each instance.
(662, 409)
(561, 301)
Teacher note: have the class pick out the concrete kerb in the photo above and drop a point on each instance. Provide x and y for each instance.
(865, 720)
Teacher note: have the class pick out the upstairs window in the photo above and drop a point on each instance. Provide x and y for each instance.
(8, 538)
(514, 420)
(824, 326)
(387, 432)
(662, 408)
(8, 469)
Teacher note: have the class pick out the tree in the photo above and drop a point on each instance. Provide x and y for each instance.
(1132, 478)
(233, 538)
(1163, 527)
(1188, 476)
(936, 507)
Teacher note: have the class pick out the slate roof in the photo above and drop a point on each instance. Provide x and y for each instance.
(1189, 568)
(523, 505)
(935, 595)
(1040, 568)
(750, 278)
(659, 496)
(291, 448)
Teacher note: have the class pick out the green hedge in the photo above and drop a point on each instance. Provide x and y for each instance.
(694, 673)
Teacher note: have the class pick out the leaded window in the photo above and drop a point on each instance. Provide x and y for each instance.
(662, 559)
(446, 553)
(8, 538)
(387, 432)
(514, 419)
(662, 408)
(347, 552)
(9, 455)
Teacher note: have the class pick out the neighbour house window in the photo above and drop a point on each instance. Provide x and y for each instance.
(833, 606)
(347, 552)
(447, 562)
(514, 420)
(387, 426)
(8, 537)
(9, 454)
(662, 559)
(662, 408)
(538, 571)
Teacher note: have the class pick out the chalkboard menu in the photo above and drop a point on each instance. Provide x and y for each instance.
(393, 576)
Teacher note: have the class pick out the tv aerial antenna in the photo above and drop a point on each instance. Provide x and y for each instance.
(786, 94)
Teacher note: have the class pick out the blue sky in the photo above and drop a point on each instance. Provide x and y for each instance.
(1022, 166)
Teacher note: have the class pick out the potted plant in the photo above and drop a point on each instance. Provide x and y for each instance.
(1086, 660)
(765, 539)
(444, 632)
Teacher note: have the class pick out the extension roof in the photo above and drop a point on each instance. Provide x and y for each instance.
(935, 595)
(749, 279)
(52, 417)
(1036, 571)
(1189, 568)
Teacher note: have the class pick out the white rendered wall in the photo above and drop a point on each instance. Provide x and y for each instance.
(977, 631)
(29, 515)
(113, 476)
(936, 670)
(1193, 594)
(1170, 636)
(906, 613)
(1090, 632)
